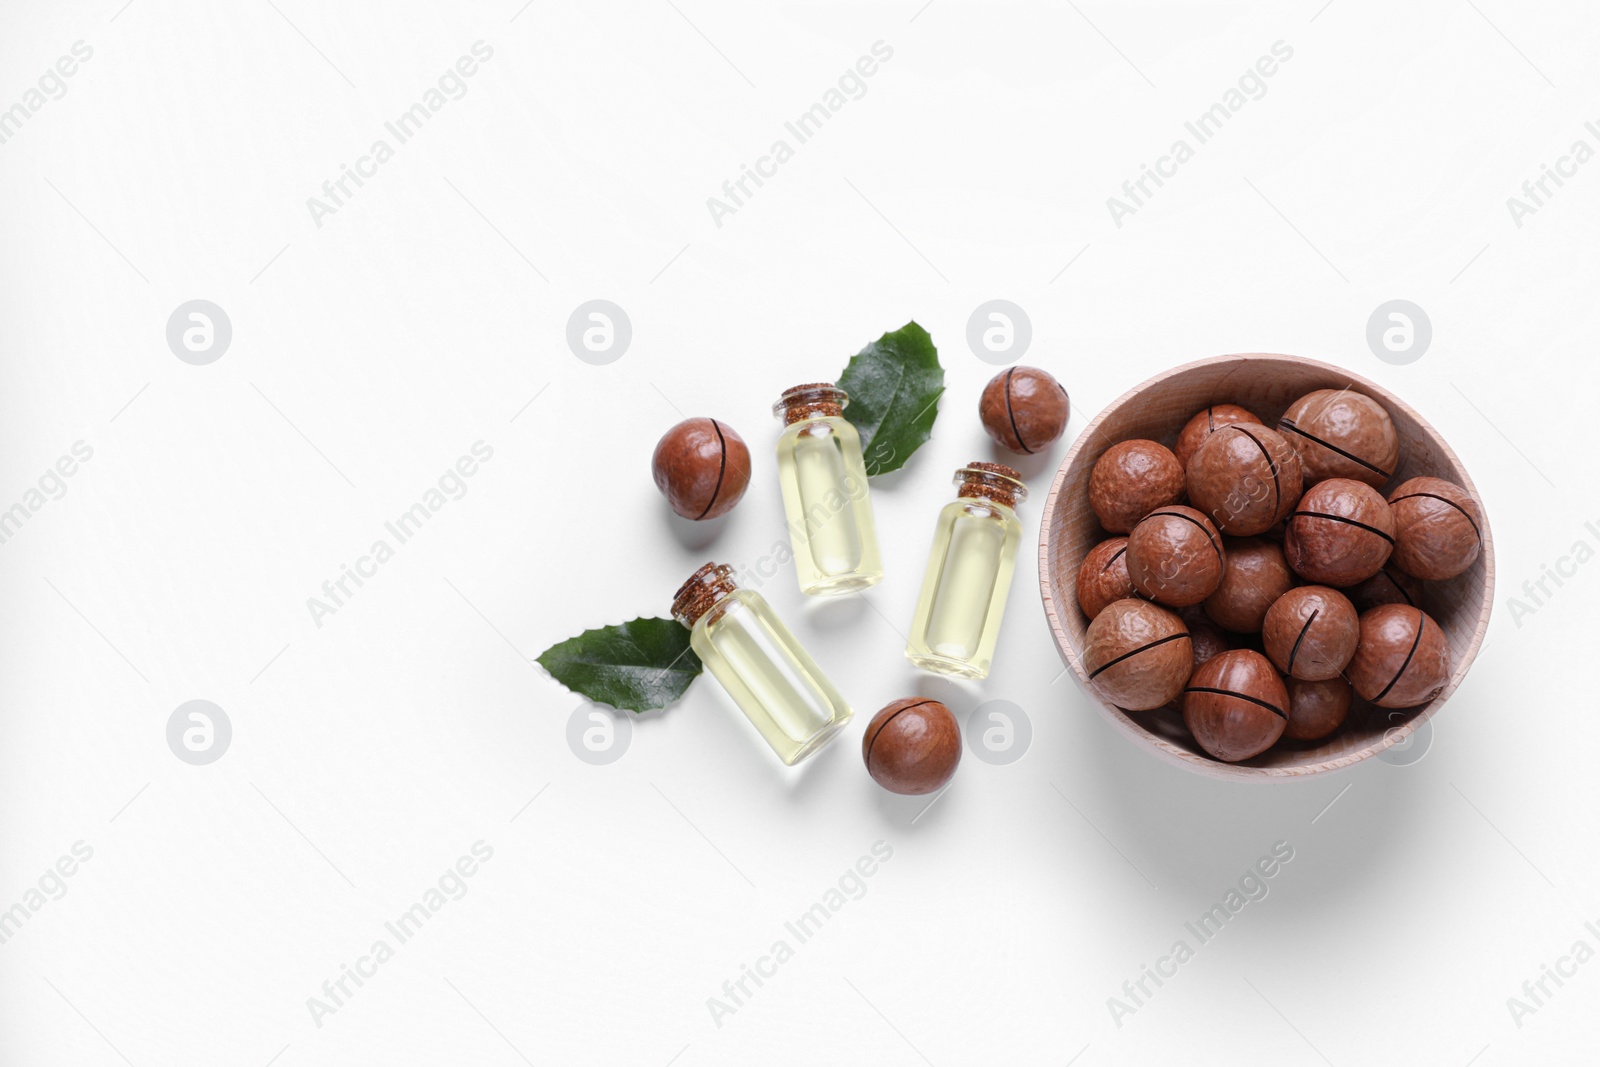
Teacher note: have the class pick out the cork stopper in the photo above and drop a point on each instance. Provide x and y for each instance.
(991, 481)
(810, 401)
(701, 592)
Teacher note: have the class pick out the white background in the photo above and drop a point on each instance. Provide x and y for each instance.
(371, 352)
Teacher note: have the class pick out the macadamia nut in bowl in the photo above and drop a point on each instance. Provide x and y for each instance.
(1175, 557)
(1342, 433)
(1103, 576)
(1130, 480)
(1436, 528)
(1246, 478)
(1138, 654)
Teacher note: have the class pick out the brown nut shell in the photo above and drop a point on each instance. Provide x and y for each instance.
(1204, 424)
(1235, 705)
(1245, 477)
(1207, 641)
(1341, 434)
(1391, 585)
(1437, 528)
(1402, 658)
(1024, 408)
(912, 746)
(1130, 480)
(1316, 709)
(702, 467)
(1256, 576)
(1175, 556)
(1310, 633)
(1341, 534)
(1137, 654)
(1103, 576)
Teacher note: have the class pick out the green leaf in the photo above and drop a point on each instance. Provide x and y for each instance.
(894, 385)
(635, 666)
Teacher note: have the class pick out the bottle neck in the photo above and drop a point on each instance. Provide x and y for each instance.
(705, 588)
(813, 401)
(994, 482)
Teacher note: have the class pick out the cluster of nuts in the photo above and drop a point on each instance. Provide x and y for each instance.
(1260, 580)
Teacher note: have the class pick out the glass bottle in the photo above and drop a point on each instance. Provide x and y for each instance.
(969, 573)
(751, 652)
(825, 498)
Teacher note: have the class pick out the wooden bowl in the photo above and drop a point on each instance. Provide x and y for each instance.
(1266, 385)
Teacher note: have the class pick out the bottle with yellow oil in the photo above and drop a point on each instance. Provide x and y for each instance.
(824, 482)
(969, 573)
(747, 648)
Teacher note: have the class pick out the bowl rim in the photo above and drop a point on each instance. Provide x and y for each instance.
(1159, 745)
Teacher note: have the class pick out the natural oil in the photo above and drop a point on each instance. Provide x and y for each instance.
(764, 669)
(969, 573)
(824, 482)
